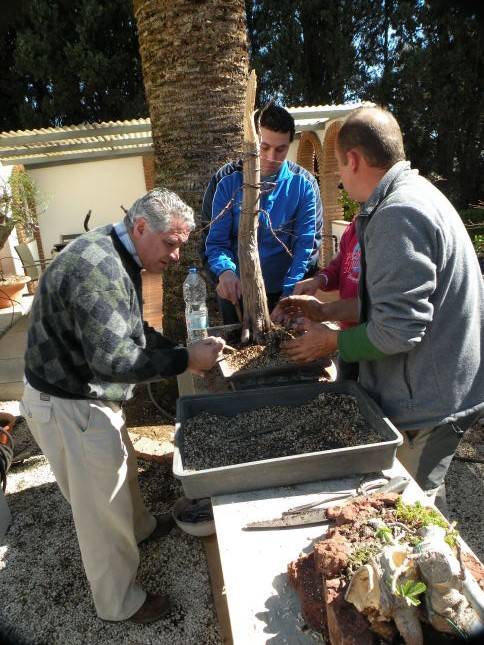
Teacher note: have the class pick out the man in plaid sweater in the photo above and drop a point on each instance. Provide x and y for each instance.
(87, 348)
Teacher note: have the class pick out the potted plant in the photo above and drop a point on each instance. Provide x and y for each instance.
(17, 207)
(350, 206)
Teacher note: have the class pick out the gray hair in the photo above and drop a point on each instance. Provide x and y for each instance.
(160, 207)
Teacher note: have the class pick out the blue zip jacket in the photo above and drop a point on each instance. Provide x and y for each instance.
(293, 205)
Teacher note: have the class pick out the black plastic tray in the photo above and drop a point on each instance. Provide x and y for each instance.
(268, 376)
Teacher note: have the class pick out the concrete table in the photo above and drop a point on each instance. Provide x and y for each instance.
(263, 608)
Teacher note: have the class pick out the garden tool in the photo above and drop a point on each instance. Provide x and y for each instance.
(311, 513)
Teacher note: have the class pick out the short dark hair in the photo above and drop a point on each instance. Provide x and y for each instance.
(275, 118)
(376, 132)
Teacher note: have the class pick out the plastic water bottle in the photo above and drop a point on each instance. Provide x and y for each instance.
(196, 314)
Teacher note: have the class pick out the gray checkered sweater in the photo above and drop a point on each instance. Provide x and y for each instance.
(87, 338)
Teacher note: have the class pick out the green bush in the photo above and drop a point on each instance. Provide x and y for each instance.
(350, 207)
(473, 219)
(478, 242)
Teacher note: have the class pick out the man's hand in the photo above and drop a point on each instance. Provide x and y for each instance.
(279, 316)
(307, 287)
(294, 307)
(229, 287)
(304, 287)
(317, 342)
(203, 354)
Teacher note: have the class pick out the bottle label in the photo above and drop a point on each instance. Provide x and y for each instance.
(197, 320)
(197, 334)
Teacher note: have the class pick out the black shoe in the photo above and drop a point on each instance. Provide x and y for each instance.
(164, 524)
(155, 606)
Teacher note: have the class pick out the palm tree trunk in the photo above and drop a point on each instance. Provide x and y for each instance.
(194, 61)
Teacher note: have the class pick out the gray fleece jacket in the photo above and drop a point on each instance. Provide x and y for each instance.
(422, 293)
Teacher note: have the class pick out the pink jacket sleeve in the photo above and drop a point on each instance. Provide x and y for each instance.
(332, 272)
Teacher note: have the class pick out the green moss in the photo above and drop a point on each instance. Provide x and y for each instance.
(417, 516)
(451, 537)
(362, 555)
(414, 540)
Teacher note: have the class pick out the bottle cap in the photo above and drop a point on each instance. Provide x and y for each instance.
(192, 270)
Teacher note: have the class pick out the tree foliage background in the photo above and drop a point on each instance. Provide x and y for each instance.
(67, 63)
(423, 60)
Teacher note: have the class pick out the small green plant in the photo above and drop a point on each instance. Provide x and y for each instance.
(416, 516)
(362, 555)
(451, 536)
(414, 541)
(350, 207)
(409, 590)
(384, 533)
(464, 636)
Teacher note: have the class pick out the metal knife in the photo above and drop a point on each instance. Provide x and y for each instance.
(309, 516)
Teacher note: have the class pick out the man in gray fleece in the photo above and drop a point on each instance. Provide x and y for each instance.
(87, 347)
(421, 301)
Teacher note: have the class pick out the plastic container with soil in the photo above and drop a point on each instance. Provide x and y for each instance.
(252, 366)
(285, 470)
(280, 375)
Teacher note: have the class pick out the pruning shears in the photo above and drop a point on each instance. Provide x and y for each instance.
(308, 514)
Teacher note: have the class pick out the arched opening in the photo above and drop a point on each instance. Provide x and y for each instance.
(320, 160)
(328, 184)
(310, 153)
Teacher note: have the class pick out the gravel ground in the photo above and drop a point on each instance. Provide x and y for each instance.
(45, 599)
(465, 489)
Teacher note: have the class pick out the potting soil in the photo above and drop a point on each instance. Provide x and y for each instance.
(327, 422)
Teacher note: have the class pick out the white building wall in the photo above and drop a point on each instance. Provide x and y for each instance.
(69, 191)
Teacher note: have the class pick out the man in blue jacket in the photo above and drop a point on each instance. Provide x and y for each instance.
(290, 221)
(421, 301)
